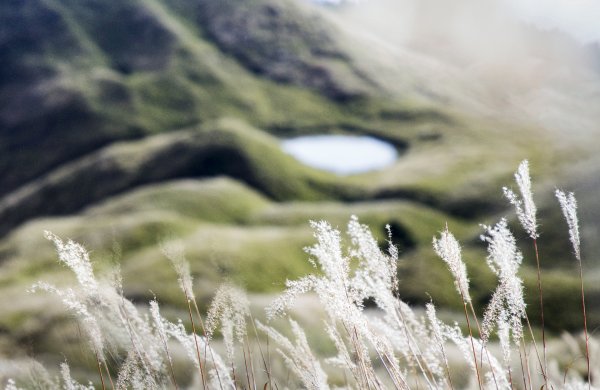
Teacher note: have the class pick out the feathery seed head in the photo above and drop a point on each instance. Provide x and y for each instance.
(525, 207)
(328, 251)
(68, 382)
(11, 385)
(568, 204)
(448, 249)
(158, 320)
(174, 251)
(504, 337)
(298, 356)
(294, 288)
(230, 307)
(504, 259)
(376, 274)
(435, 323)
(77, 258)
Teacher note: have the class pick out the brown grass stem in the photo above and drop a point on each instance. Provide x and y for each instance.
(408, 338)
(100, 370)
(112, 385)
(483, 346)
(585, 331)
(200, 365)
(536, 347)
(171, 370)
(247, 368)
(523, 369)
(541, 295)
(262, 356)
(136, 345)
(250, 359)
(207, 343)
(472, 342)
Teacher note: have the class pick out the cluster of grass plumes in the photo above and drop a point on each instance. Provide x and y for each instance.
(391, 346)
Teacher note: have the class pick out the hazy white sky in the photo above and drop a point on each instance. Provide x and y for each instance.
(580, 18)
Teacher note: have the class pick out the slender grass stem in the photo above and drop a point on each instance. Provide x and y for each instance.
(483, 346)
(200, 365)
(527, 364)
(472, 342)
(523, 369)
(537, 352)
(410, 346)
(171, 370)
(247, 368)
(207, 344)
(585, 331)
(541, 295)
(262, 356)
(112, 385)
(250, 359)
(100, 370)
(446, 365)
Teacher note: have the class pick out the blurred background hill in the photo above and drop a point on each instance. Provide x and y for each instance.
(125, 123)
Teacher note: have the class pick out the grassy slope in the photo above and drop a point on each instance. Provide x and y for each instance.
(249, 224)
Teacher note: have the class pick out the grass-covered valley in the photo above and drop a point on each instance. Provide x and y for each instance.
(126, 124)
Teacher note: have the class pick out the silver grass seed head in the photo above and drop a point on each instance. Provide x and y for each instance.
(448, 249)
(68, 382)
(434, 322)
(76, 257)
(158, 320)
(568, 204)
(298, 356)
(229, 308)
(71, 300)
(524, 206)
(328, 252)
(174, 251)
(504, 258)
(504, 338)
(11, 385)
(293, 289)
(507, 303)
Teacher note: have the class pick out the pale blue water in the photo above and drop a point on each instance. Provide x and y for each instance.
(341, 154)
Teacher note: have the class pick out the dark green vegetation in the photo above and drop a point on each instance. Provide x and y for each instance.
(124, 123)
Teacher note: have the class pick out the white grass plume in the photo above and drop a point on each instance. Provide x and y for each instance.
(504, 260)
(504, 338)
(448, 249)
(393, 337)
(568, 204)
(69, 383)
(132, 374)
(333, 287)
(11, 385)
(174, 251)
(454, 334)
(103, 310)
(525, 207)
(77, 258)
(79, 309)
(298, 356)
(438, 345)
(230, 308)
(188, 341)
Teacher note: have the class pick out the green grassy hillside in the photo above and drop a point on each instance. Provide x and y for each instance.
(124, 124)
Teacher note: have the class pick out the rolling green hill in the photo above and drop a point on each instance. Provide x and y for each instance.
(127, 123)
